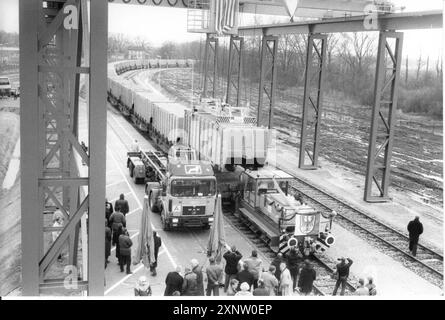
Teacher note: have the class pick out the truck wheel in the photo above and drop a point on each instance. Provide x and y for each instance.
(165, 225)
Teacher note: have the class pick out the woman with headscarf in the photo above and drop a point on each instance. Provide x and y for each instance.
(143, 287)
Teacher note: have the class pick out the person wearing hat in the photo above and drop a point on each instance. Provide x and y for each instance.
(214, 277)
(143, 287)
(415, 229)
(196, 268)
(125, 244)
(342, 275)
(244, 290)
(117, 221)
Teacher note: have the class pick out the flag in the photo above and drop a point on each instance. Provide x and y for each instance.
(217, 237)
(291, 7)
(225, 15)
(145, 248)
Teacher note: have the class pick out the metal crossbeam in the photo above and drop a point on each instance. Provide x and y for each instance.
(312, 101)
(393, 21)
(383, 116)
(210, 65)
(234, 72)
(269, 48)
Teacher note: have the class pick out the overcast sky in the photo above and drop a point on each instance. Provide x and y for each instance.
(157, 25)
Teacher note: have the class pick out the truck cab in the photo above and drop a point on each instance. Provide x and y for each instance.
(5, 87)
(186, 196)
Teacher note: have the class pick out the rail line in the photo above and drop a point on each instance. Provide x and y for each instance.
(428, 263)
(324, 283)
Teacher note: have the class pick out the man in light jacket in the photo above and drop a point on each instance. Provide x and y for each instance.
(214, 277)
(285, 281)
(255, 267)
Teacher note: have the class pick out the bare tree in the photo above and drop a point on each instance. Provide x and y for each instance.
(419, 66)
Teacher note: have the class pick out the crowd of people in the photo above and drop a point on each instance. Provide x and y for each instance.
(285, 275)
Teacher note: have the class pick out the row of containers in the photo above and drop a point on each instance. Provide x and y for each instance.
(222, 139)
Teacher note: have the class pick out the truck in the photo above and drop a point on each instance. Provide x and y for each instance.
(5, 87)
(180, 188)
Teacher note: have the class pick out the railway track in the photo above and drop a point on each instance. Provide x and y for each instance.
(428, 263)
(323, 285)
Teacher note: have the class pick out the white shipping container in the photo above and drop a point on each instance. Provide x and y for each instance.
(226, 143)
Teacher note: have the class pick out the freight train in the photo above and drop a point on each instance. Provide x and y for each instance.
(238, 151)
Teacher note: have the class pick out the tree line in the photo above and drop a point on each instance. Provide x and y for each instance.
(350, 68)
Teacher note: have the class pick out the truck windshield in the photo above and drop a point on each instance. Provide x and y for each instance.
(193, 187)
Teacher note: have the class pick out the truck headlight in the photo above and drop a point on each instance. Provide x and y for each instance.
(175, 220)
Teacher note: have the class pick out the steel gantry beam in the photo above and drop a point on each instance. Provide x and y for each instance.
(393, 21)
(268, 75)
(210, 65)
(51, 64)
(312, 101)
(234, 71)
(389, 60)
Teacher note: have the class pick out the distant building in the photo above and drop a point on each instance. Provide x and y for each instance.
(136, 53)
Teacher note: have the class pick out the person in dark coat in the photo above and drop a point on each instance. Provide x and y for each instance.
(276, 263)
(117, 233)
(173, 282)
(261, 290)
(245, 276)
(117, 220)
(342, 274)
(121, 205)
(293, 263)
(196, 268)
(190, 284)
(107, 242)
(232, 257)
(157, 243)
(125, 244)
(108, 211)
(415, 229)
(307, 277)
